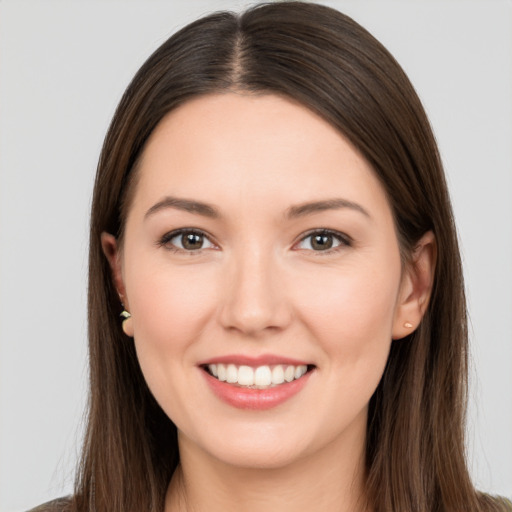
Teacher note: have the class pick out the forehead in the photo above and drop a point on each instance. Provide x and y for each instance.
(222, 147)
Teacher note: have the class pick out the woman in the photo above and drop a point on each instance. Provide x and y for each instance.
(271, 220)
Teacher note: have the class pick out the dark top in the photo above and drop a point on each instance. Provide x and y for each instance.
(63, 505)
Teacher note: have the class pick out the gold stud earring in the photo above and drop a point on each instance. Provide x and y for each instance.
(127, 323)
(407, 325)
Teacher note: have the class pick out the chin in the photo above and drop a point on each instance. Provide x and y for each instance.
(261, 448)
(269, 457)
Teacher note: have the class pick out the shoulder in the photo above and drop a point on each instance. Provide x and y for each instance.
(59, 505)
(494, 503)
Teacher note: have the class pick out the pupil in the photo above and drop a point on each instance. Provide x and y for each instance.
(192, 241)
(322, 242)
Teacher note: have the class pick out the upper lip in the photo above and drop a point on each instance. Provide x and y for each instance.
(262, 360)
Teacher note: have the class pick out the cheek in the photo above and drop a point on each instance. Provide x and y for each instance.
(351, 322)
(169, 306)
(351, 312)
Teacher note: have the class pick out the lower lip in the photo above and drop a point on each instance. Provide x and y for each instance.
(255, 399)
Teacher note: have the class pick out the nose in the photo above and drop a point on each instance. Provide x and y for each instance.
(255, 298)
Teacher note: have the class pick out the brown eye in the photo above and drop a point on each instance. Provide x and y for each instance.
(186, 240)
(192, 241)
(323, 241)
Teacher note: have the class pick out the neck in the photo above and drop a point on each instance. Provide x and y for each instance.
(328, 481)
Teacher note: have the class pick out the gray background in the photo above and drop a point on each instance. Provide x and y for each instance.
(63, 68)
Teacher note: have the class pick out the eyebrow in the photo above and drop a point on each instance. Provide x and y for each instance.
(301, 210)
(187, 205)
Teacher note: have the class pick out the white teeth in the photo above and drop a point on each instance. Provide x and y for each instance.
(260, 377)
(231, 374)
(245, 376)
(277, 375)
(221, 370)
(300, 371)
(289, 373)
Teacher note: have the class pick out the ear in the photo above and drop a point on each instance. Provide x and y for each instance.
(112, 253)
(416, 287)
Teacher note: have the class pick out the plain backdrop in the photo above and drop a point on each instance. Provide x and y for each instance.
(63, 68)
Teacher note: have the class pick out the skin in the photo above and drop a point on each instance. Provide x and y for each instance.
(259, 286)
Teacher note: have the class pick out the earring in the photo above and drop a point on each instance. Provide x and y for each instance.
(127, 323)
(407, 325)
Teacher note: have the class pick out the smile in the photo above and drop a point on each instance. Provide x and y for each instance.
(256, 384)
(261, 377)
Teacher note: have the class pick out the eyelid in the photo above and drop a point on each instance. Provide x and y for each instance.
(167, 237)
(345, 240)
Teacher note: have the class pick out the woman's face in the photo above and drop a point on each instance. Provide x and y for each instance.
(259, 245)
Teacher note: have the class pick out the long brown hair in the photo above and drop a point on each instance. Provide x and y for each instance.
(324, 60)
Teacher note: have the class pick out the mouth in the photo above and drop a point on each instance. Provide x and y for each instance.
(256, 383)
(257, 377)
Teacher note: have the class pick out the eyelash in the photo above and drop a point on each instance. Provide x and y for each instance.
(164, 241)
(345, 240)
